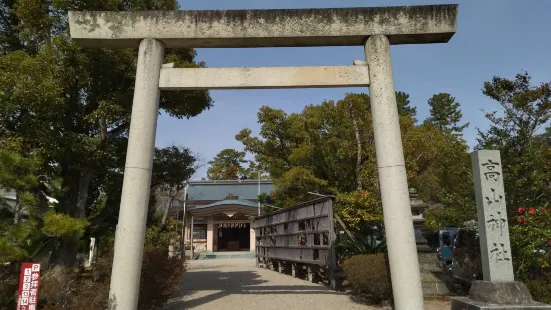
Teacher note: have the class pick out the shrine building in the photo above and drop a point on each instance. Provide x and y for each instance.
(222, 212)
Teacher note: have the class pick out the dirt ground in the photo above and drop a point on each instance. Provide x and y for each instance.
(437, 304)
(237, 284)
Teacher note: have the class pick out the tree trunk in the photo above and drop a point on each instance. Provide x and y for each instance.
(82, 198)
(16, 212)
(168, 206)
(67, 253)
(358, 147)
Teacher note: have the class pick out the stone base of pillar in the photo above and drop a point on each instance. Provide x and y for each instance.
(497, 295)
(465, 303)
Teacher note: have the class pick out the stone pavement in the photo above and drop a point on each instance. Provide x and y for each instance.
(237, 284)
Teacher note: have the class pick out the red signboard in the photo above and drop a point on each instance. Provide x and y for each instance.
(27, 296)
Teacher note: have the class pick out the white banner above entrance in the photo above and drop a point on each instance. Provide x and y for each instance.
(233, 224)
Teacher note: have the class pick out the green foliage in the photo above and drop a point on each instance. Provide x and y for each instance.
(321, 149)
(540, 286)
(438, 165)
(60, 225)
(17, 172)
(294, 185)
(529, 235)
(369, 275)
(10, 252)
(24, 241)
(404, 108)
(14, 241)
(267, 203)
(520, 136)
(172, 167)
(228, 165)
(445, 113)
(158, 235)
(360, 210)
(71, 107)
(448, 217)
(361, 244)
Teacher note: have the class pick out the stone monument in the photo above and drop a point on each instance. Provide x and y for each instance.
(498, 290)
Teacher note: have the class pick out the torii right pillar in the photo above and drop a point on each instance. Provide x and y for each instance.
(400, 235)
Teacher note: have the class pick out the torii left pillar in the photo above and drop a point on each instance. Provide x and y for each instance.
(130, 235)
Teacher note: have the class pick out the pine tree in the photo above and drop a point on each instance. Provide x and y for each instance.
(445, 113)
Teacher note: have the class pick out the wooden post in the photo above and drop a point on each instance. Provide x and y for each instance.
(191, 238)
(332, 259)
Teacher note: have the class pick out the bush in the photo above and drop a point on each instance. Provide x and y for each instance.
(58, 288)
(349, 247)
(540, 285)
(9, 282)
(161, 277)
(62, 288)
(369, 275)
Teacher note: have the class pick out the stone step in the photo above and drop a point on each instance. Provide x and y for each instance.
(225, 255)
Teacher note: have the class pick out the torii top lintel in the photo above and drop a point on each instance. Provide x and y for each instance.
(265, 28)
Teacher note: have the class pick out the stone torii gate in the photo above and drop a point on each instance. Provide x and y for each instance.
(153, 31)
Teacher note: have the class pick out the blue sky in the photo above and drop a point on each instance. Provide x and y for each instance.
(493, 38)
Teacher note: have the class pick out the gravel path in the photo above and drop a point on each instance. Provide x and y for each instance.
(237, 284)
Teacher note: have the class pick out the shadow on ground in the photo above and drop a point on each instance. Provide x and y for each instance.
(232, 283)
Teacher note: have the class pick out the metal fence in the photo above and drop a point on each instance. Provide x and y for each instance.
(302, 237)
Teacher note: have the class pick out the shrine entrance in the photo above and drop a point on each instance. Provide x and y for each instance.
(233, 237)
(374, 28)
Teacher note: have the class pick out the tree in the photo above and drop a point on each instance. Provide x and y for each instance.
(445, 113)
(360, 210)
(404, 109)
(172, 168)
(71, 106)
(547, 136)
(18, 174)
(9, 39)
(294, 187)
(32, 232)
(526, 162)
(358, 141)
(329, 148)
(518, 135)
(228, 165)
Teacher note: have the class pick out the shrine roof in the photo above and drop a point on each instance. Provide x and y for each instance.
(229, 202)
(212, 191)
